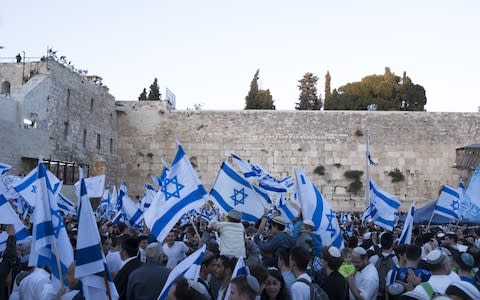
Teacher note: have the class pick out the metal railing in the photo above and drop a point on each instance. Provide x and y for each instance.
(14, 59)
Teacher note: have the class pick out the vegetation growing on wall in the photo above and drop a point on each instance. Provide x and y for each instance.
(319, 170)
(396, 175)
(356, 185)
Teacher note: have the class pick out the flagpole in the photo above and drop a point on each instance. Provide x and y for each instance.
(59, 265)
(107, 285)
(194, 227)
(367, 188)
(429, 222)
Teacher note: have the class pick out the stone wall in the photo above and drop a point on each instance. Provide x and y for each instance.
(420, 144)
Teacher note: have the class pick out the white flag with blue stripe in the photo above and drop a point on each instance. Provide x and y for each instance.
(147, 197)
(288, 208)
(4, 168)
(159, 180)
(448, 203)
(383, 207)
(50, 243)
(27, 186)
(182, 191)
(188, 268)
(315, 208)
(8, 216)
(470, 206)
(241, 269)
(406, 236)
(232, 191)
(132, 214)
(103, 208)
(95, 186)
(90, 264)
(66, 205)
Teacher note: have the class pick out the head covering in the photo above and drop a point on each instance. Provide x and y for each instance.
(415, 295)
(467, 288)
(333, 251)
(367, 236)
(279, 220)
(253, 284)
(396, 288)
(235, 214)
(435, 257)
(360, 251)
(467, 259)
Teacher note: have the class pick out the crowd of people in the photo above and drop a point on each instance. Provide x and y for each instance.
(285, 261)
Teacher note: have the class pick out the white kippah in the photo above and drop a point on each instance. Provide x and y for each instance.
(359, 251)
(334, 251)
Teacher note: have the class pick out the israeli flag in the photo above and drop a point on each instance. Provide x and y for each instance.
(147, 197)
(406, 236)
(188, 268)
(4, 168)
(159, 180)
(182, 191)
(240, 269)
(315, 208)
(113, 200)
(8, 216)
(383, 207)
(95, 186)
(132, 213)
(66, 205)
(6, 186)
(90, 266)
(470, 206)
(265, 181)
(208, 211)
(104, 206)
(448, 203)
(288, 209)
(50, 244)
(27, 187)
(232, 191)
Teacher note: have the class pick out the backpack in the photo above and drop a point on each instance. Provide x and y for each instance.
(383, 265)
(316, 292)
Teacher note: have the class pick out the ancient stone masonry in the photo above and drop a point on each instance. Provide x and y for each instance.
(77, 120)
(420, 145)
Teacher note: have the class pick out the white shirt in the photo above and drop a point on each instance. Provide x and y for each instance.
(175, 254)
(300, 290)
(114, 262)
(37, 285)
(231, 239)
(367, 282)
(439, 283)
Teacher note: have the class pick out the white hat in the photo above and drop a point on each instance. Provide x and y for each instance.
(367, 236)
(360, 251)
(467, 288)
(334, 251)
(435, 257)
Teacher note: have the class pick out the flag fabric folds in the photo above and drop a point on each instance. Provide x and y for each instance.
(66, 205)
(315, 208)
(448, 203)
(91, 267)
(383, 207)
(240, 269)
(232, 191)
(50, 243)
(27, 186)
(406, 236)
(4, 168)
(9, 216)
(470, 206)
(182, 191)
(188, 268)
(95, 186)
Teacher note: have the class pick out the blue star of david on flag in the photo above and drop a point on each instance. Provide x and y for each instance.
(331, 216)
(455, 205)
(34, 189)
(58, 220)
(242, 194)
(178, 187)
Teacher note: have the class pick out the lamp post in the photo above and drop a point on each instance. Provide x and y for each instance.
(23, 69)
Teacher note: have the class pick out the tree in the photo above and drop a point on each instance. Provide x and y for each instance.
(143, 95)
(308, 99)
(387, 92)
(328, 80)
(154, 93)
(257, 98)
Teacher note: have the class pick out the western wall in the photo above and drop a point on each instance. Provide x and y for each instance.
(419, 144)
(77, 120)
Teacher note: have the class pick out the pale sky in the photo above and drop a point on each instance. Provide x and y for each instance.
(208, 51)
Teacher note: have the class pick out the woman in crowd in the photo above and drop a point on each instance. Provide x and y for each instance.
(275, 288)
